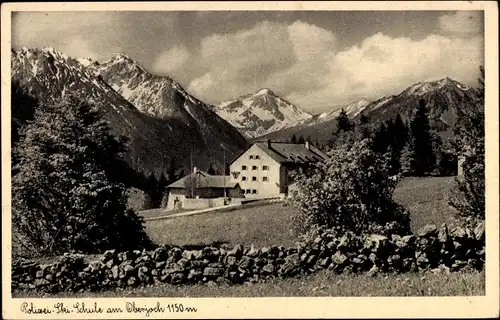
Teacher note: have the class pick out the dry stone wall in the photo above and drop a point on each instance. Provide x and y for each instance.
(442, 248)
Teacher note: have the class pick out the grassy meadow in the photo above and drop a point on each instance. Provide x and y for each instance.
(425, 198)
(263, 225)
(320, 284)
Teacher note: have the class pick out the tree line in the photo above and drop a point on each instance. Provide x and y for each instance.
(412, 148)
(353, 189)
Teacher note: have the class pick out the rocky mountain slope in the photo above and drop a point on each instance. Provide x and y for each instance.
(444, 98)
(260, 113)
(161, 120)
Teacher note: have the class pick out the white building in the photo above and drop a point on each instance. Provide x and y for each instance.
(262, 170)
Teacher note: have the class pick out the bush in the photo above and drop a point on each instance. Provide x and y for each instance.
(138, 200)
(65, 196)
(467, 196)
(351, 191)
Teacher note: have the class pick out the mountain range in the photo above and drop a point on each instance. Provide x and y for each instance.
(165, 123)
(260, 113)
(444, 99)
(162, 121)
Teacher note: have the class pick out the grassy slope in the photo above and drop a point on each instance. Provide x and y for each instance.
(426, 199)
(320, 284)
(264, 225)
(271, 224)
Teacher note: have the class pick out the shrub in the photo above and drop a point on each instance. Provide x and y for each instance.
(351, 191)
(467, 197)
(65, 196)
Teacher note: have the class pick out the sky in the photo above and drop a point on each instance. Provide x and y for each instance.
(318, 60)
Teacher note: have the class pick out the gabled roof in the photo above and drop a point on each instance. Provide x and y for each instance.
(287, 153)
(205, 180)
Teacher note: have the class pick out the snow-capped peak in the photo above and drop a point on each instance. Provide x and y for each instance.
(352, 109)
(263, 91)
(260, 113)
(421, 88)
(121, 56)
(55, 53)
(86, 61)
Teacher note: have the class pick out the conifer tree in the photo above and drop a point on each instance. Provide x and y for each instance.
(380, 141)
(399, 133)
(425, 159)
(23, 107)
(408, 158)
(171, 171)
(160, 190)
(364, 127)
(211, 170)
(65, 193)
(343, 122)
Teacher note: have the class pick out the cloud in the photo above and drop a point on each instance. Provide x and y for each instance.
(310, 42)
(382, 65)
(77, 47)
(462, 22)
(105, 33)
(269, 54)
(242, 61)
(171, 60)
(71, 33)
(298, 60)
(303, 63)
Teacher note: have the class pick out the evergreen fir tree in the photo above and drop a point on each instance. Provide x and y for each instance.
(343, 122)
(363, 119)
(363, 129)
(408, 158)
(380, 141)
(293, 139)
(425, 159)
(301, 140)
(160, 191)
(211, 170)
(437, 150)
(23, 107)
(171, 171)
(399, 134)
(65, 195)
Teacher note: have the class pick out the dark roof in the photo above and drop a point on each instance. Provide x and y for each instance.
(292, 152)
(205, 180)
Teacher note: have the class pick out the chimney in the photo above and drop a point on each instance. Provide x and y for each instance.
(307, 145)
(269, 143)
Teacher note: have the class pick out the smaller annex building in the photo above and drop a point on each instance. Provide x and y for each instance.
(199, 190)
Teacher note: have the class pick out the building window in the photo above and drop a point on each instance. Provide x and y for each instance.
(264, 178)
(243, 167)
(257, 157)
(251, 157)
(243, 178)
(254, 178)
(265, 168)
(254, 191)
(254, 167)
(248, 191)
